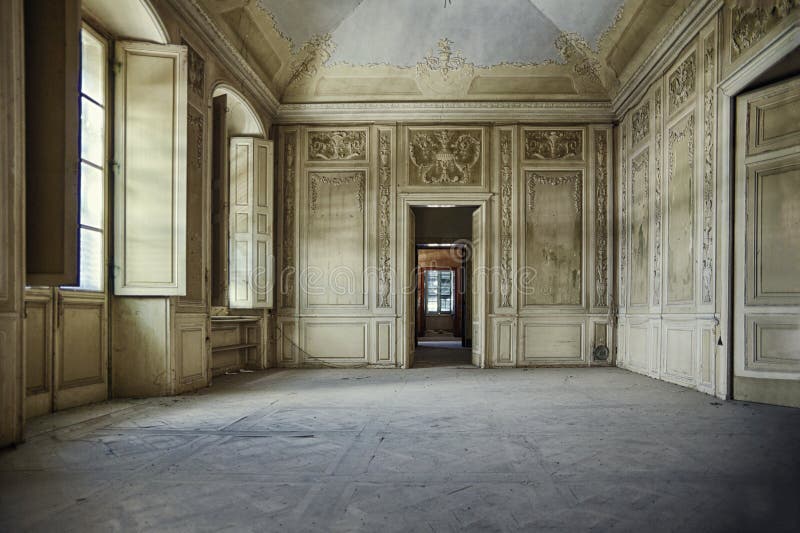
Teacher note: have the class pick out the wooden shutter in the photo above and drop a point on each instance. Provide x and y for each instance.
(251, 259)
(52, 132)
(150, 170)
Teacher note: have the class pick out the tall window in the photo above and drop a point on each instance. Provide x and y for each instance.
(438, 292)
(93, 160)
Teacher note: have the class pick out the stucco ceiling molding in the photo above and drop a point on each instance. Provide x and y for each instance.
(550, 112)
(666, 52)
(199, 20)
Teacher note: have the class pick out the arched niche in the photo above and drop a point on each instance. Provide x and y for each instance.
(128, 19)
(241, 119)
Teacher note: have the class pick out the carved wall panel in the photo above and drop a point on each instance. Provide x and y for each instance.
(445, 156)
(553, 237)
(288, 208)
(749, 24)
(384, 234)
(337, 145)
(506, 218)
(335, 239)
(623, 219)
(682, 82)
(640, 229)
(601, 218)
(657, 200)
(640, 124)
(680, 212)
(709, 164)
(549, 144)
(195, 208)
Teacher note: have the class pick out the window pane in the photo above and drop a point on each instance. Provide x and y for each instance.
(92, 67)
(445, 305)
(92, 132)
(431, 305)
(91, 196)
(91, 260)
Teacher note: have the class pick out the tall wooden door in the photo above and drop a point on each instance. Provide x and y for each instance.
(478, 288)
(410, 292)
(767, 246)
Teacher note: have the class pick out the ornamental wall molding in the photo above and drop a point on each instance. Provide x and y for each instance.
(337, 179)
(709, 122)
(549, 112)
(682, 81)
(750, 24)
(533, 178)
(657, 194)
(666, 52)
(640, 123)
(601, 217)
(553, 144)
(199, 20)
(384, 217)
(289, 179)
(444, 156)
(623, 234)
(337, 145)
(506, 236)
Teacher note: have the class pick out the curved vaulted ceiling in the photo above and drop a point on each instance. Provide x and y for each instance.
(396, 50)
(402, 33)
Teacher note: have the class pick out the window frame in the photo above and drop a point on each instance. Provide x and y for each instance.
(107, 108)
(451, 296)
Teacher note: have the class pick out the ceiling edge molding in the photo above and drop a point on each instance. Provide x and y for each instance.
(551, 112)
(664, 54)
(200, 21)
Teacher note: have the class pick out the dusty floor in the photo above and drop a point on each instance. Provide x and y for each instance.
(432, 449)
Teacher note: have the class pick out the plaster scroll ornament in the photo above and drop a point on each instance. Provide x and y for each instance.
(506, 237)
(443, 156)
(640, 123)
(310, 58)
(446, 71)
(553, 144)
(682, 82)
(750, 21)
(337, 145)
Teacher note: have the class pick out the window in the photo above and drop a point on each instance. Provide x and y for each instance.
(438, 292)
(93, 160)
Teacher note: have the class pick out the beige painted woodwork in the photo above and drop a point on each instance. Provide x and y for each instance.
(667, 201)
(52, 133)
(347, 246)
(156, 351)
(767, 246)
(150, 177)
(251, 261)
(12, 227)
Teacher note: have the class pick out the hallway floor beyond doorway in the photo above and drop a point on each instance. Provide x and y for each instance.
(430, 449)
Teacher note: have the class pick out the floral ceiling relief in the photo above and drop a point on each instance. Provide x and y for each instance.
(445, 156)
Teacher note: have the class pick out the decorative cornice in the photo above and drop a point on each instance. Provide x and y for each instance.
(199, 20)
(666, 52)
(549, 112)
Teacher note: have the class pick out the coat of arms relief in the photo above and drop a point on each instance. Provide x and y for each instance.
(444, 156)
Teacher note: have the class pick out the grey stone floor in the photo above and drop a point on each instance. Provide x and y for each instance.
(432, 449)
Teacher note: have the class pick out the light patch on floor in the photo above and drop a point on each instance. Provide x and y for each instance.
(431, 449)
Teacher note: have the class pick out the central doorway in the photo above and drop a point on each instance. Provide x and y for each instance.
(443, 258)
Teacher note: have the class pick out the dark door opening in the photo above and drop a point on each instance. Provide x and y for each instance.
(443, 251)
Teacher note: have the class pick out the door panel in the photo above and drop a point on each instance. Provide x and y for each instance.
(478, 288)
(411, 280)
(81, 355)
(767, 247)
(38, 327)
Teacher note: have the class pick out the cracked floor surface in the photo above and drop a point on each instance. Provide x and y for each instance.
(430, 449)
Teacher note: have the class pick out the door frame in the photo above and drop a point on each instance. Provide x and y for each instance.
(727, 91)
(406, 263)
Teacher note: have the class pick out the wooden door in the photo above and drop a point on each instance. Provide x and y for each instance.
(767, 246)
(411, 280)
(478, 288)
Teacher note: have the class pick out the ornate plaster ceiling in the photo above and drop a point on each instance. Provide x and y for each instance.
(402, 33)
(394, 50)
